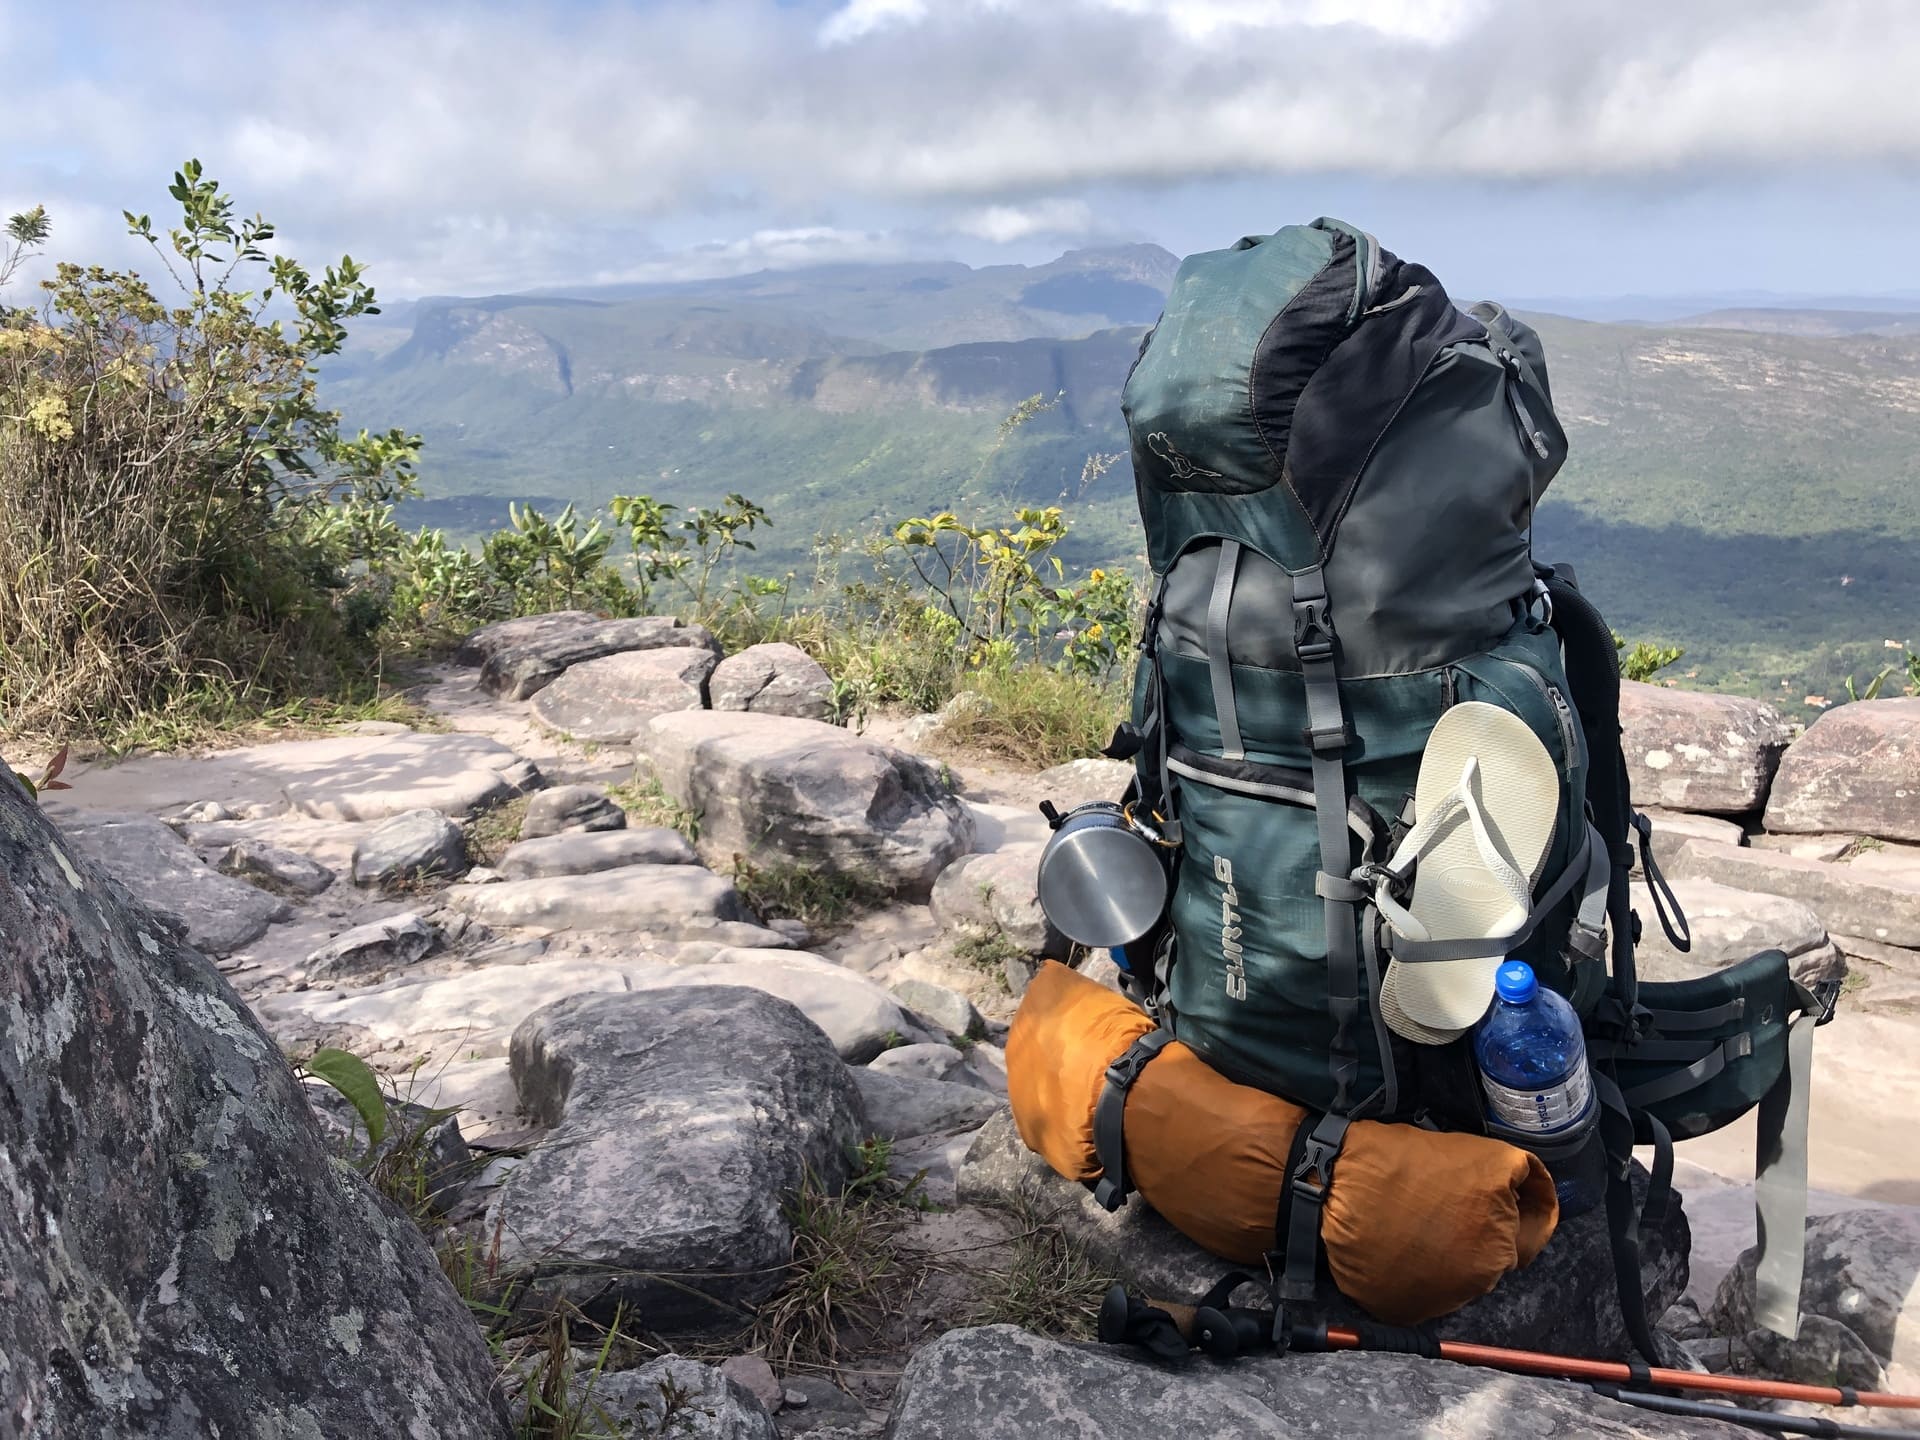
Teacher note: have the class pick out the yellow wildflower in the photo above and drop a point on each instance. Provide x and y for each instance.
(1097, 576)
(48, 415)
(1096, 630)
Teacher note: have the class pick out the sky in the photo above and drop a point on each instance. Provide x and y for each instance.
(1518, 147)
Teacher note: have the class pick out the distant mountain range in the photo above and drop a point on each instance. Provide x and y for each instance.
(1745, 479)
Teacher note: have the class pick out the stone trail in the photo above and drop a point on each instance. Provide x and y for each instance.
(603, 998)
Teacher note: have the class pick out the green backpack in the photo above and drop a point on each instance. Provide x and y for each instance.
(1337, 471)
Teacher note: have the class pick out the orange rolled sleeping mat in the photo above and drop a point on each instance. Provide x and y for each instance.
(1416, 1224)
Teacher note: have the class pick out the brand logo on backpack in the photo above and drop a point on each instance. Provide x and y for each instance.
(1182, 467)
(1230, 929)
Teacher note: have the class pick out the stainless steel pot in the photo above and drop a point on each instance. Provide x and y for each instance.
(1102, 881)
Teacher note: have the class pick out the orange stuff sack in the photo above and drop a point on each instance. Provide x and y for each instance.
(1417, 1224)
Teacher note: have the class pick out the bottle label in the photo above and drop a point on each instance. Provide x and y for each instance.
(1540, 1111)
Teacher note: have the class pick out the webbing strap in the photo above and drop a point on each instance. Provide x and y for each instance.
(1109, 1117)
(1780, 1180)
(1623, 1216)
(1219, 662)
(1421, 952)
(1308, 1184)
(1678, 1082)
(1711, 1018)
(1327, 736)
(1382, 1037)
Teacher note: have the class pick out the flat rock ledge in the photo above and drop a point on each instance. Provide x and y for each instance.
(1002, 1382)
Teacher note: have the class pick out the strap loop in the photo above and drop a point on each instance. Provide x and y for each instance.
(1109, 1117)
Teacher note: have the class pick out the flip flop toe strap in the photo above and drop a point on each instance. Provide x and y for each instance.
(1422, 837)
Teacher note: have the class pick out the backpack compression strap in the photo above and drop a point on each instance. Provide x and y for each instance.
(1110, 1115)
(1327, 736)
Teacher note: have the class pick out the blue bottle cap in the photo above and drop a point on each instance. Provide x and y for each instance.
(1514, 982)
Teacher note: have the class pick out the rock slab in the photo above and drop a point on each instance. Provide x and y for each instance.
(1011, 1385)
(682, 1398)
(610, 700)
(275, 868)
(219, 913)
(377, 777)
(780, 790)
(1688, 750)
(520, 668)
(1728, 925)
(418, 844)
(682, 1120)
(567, 808)
(773, 679)
(1856, 769)
(1861, 1271)
(674, 902)
(377, 945)
(586, 853)
(1874, 902)
(179, 1254)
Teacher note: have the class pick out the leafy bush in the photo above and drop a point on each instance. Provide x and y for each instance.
(168, 479)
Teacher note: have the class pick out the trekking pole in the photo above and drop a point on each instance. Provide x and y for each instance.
(1225, 1331)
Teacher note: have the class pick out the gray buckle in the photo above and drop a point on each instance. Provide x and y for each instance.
(1827, 994)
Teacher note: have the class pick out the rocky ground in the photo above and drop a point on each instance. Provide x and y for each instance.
(535, 912)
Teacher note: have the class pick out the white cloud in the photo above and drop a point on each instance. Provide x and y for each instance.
(473, 145)
(858, 18)
(1004, 224)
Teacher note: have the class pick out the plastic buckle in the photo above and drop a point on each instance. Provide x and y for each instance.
(1312, 629)
(1321, 740)
(1124, 1071)
(1587, 943)
(1316, 1158)
(1827, 992)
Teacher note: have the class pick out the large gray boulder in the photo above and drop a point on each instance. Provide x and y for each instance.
(419, 844)
(610, 700)
(1877, 902)
(672, 902)
(1012, 1385)
(567, 808)
(587, 852)
(1861, 1271)
(1564, 1301)
(773, 679)
(779, 790)
(522, 668)
(220, 914)
(179, 1255)
(489, 640)
(1728, 925)
(998, 891)
(1687, 750)
(682, 1121)
(1857, 769)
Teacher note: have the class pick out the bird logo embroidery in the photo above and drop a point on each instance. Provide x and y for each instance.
(1182, 467)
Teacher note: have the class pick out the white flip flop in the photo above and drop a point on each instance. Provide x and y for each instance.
(1485, 808)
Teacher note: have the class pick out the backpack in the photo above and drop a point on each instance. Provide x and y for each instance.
(1337, 470)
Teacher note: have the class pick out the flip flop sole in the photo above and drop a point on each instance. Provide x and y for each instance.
(1455, 896)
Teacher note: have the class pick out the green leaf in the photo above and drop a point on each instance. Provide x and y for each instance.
(353, 1078)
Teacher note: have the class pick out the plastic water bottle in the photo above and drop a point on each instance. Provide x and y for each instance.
(1533, 1067)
